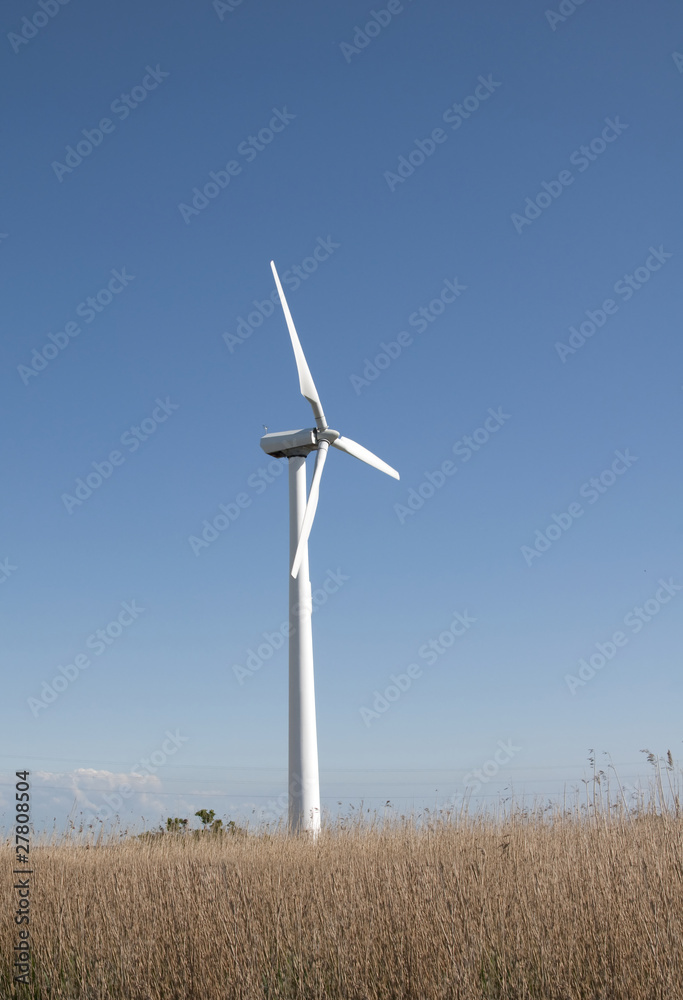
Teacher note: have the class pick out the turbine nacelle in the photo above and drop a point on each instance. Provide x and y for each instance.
(287, 444)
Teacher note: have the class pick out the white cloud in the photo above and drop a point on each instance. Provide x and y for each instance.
(86, 790)
(87, 785)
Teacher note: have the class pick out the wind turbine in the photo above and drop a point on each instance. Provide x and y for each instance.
(295, 446)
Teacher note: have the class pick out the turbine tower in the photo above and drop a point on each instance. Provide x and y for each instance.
(295, 446)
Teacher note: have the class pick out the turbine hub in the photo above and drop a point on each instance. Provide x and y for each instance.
(328, 435)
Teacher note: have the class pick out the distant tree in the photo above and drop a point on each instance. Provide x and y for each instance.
(206, 816)
(209, 823)
(176, 825)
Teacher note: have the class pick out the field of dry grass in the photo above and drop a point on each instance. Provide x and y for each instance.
(586, 905)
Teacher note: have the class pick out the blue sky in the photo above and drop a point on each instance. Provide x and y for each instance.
(551, 199)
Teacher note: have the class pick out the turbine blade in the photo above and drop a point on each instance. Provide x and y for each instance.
(311, 507)
(306, 383)
(358, 451)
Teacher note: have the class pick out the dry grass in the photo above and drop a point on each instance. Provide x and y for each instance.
(543, 905)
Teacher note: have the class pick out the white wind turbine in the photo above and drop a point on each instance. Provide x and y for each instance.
(303, 780)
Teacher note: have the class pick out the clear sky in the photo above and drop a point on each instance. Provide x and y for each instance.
(476, 210)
